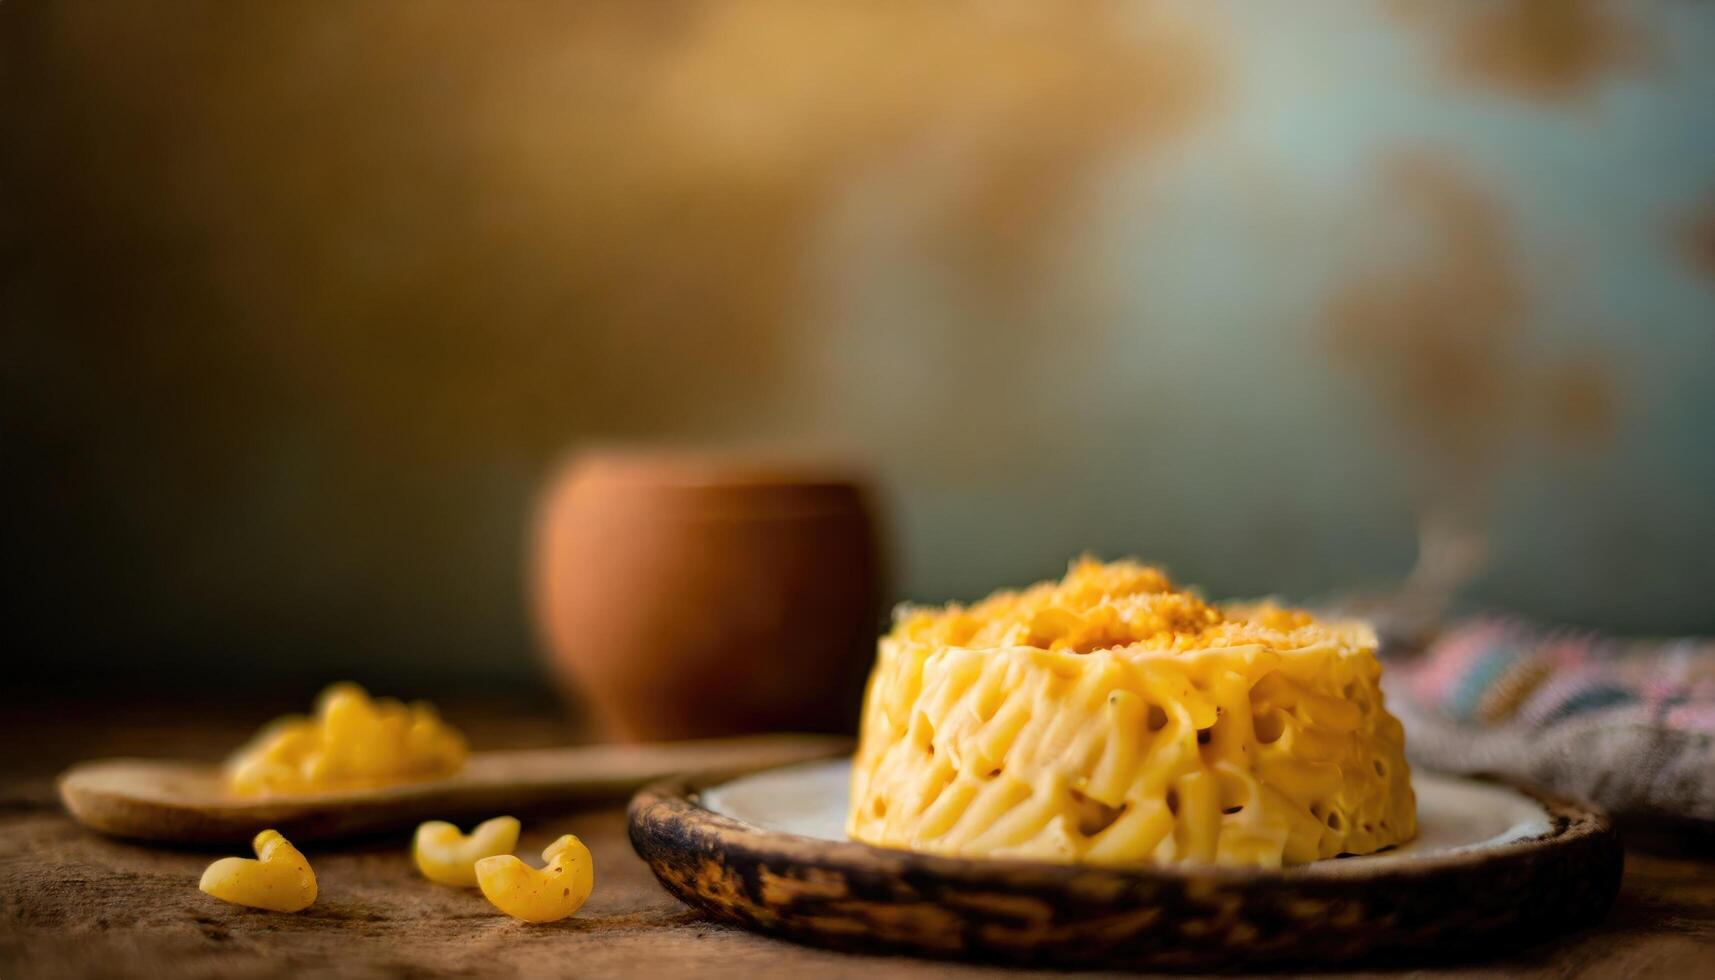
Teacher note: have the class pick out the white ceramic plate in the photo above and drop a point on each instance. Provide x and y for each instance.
(1453, 813)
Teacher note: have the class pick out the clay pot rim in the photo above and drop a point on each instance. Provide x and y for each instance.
(705, 470)
(690, 511)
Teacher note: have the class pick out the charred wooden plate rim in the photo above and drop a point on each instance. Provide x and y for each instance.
(844, 895)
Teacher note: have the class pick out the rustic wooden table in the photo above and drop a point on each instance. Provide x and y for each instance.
(74, 904)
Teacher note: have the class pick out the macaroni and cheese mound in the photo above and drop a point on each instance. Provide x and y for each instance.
(352, 742)
(1110, 718)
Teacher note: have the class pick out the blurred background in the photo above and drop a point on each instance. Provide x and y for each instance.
(302, 304)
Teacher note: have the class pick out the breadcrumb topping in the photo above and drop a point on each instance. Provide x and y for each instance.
(1109, 605)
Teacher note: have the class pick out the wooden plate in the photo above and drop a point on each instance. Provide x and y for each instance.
(1494, 867)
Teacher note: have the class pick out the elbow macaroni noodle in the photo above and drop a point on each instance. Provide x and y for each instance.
(278, 879)
(352, 742)
(1109, 719)
(447, 857)
(545, 895)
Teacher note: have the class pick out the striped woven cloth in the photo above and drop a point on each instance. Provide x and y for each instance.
(1629, 724)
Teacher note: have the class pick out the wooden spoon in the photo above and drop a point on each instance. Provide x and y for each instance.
(183, 802)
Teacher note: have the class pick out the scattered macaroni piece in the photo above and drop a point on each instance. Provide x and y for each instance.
(279, 879)
(448, 857)
(547, 895)
(1111, 719)
(352, 742)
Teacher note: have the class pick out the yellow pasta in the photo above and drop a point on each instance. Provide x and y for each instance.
(545, 895)
(447, 857)
(352, 742)
(1111, 719)
(277, 879)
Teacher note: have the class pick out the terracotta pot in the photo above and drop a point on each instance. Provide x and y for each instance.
(697, 595)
